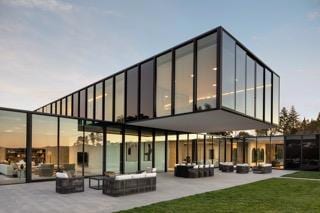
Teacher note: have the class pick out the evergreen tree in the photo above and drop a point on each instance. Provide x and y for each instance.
(283, 121)
(293, 121)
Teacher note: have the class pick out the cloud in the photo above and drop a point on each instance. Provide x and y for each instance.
(48, 5)
(313, 15)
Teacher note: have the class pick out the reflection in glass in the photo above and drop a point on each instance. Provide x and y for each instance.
(185, 149)
(146, 90)
(12, 147)
(69, 105)
(59, 107)
(119, 105)
(93, 148)
(240, 80)
(53, 108)
(164, 67)
(131, 151)
(98, 112)
(132, 94)
(71, 146)
(207, 72)
(259, 92)
(108, 102)
(75, 111)
(146, 150)
(44, 147)
(250, 87)
(90, 102)
(268, 96)
(63, 106)
(228, 71)
(83, 103)
(114, 140)
(184, 79)
(276, 98)
(160, 151)
(200, 149)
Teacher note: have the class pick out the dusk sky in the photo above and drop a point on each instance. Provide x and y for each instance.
(50, 48)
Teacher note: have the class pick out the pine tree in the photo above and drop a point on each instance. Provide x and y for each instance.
(283, 121)
(293, 121)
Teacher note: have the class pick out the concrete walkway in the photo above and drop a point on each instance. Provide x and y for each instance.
(41, 197)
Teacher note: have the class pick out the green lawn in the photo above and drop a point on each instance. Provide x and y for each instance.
(305, 174)
(273, 195)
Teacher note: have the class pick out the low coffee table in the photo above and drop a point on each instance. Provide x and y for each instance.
(99, 180)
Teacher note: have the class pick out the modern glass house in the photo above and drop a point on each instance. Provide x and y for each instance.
(152, 114)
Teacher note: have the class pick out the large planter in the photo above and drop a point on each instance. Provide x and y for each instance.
(69, 185)
(114, 186)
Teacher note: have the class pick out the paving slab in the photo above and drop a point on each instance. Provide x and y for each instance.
(41, 196)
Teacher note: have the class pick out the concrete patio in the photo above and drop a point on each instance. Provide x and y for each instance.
(41, 197)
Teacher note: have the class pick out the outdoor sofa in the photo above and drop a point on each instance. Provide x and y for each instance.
(67, 185)
(242, 168)
(226, 166)
(193, 170)
(262, 168)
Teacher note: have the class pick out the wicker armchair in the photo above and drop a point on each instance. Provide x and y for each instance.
(69, 185)
(262, 169)
(242, 168)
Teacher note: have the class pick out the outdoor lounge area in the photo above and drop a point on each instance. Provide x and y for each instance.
(38, 197)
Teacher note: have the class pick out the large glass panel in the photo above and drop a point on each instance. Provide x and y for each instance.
(119, 105)
(146, 150)
(132, 94)
(108, 99)
(75, 111)
(69, 105)
(71, 146)
(228, 150)
(259, 92)
(90, 101)
(83, 103)
(207, 72)
(160, 151)
(293, 152)
(200, 149)
(53, 108)
(146, 90)
(192, 149)
(171, 152)
(164, 80)
(63, 106)
(263, 150)
(277, 151)
(276, 98)
(240, 80)
(184, 153)
(59, 107)
(131, 151)
(114, 141)
(93, 149)
(184, 79)
(98, 112)
(250, 87)
(228, 71)
(212, 150)
(12, 147)
(44, 147)
(49, 108)
(310, 153)
(268, 88)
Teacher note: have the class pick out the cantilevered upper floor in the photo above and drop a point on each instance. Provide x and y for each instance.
(209, 83)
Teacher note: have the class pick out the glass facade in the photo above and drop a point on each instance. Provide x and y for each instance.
(12, 147)
(90, 102)
(99, 101)
(75, 106)
(160, 140)
(228, 71)
(63, 106)
(108, 99)
(44, 147)
(259, 91)
(268, 88)
(164, 86)
(132, 94)
(113, 149)
(69, 105)
(207, 72)
(131, 151)
(82, 101)
(240, 80)
(119, 98)
(146, 150)
(276, 99)
(184, 79)
(59, 107)
(146, 90)
(171, 151)
(250, 90)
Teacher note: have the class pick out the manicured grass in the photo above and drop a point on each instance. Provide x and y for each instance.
(272, 195)
(305, 174)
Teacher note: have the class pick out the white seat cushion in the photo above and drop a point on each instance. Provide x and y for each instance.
(151, 175)
(123, 177)
(61, 175)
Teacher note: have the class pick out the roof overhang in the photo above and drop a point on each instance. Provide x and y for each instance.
(205, 122)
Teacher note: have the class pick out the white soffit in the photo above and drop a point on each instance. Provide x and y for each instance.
(200, 122)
